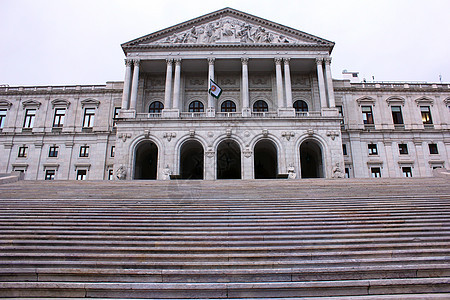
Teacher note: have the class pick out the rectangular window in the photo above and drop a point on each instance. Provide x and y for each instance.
(50, 174)
(367, 114)
(347, 173)
(81, 174)
(113, 151)
(407, 171)
(88, 120)
(2, 117)
(433, 149)
(22, 151)
(372, 149)
(341, 113)
(426, 115)
(53, 151)
(376, 172)
(30, 114)
(110, 174)
(344, 149)
(116, 115)
(84, 151)
(58, 120)
(403, 148)
(397, 114)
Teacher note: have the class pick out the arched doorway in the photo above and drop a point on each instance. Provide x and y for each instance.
(191, 160)
(228, 160)
(146, 161)
(265, 160)
(311, 159)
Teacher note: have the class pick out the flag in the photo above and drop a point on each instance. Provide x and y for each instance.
(214, 89)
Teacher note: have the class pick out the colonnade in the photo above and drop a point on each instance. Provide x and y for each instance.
(172, 99)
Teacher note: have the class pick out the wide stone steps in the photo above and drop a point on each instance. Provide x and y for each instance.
(226, 239)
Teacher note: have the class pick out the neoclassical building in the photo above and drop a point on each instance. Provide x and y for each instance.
(280, 115)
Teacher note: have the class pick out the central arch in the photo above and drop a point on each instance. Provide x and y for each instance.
(265, 160)
(191, 160)
(146, 161)
(311, 159)
(228, 160)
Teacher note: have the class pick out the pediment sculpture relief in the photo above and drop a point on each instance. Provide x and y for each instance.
(228, 30)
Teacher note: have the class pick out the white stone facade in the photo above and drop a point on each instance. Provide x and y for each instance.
(280, 114)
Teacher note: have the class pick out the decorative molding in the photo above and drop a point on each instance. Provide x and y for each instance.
(61, 103)
(405, 162)
(192, 133)
(128, 62)
(124, 136)
(5, 103)
(287, 134)
(395, 100)
(366, 100)
(51, 166)
(424, 100)
(333, 134)
(228, 132)
(82, 166)
(247, 152)
(211, 60)
(169, 135)
(310, 132)
(210, 153)
(244, 60)
(446, 101)
(278, 60)
(147, 133)
(29, 103)
(436, 162)
(90, 102)
(319, 60)
(265, 133)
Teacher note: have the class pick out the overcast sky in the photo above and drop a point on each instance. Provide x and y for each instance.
(54, 42)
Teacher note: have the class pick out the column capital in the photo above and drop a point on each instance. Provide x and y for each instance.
(244, 60)
(211, 60)
(136, 61)
(169, 61)
(327, 60)
(128, 62)
(286, 60)
(177, 61)
(278, 60)
(319, 60)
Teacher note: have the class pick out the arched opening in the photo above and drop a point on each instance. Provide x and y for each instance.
(265, 160)
(311, 159)
(196, 106)
(228, 160)
(228, 106)
(260, 106)
(300, 106)
(146, 161)
(155, 107)
(191, 160)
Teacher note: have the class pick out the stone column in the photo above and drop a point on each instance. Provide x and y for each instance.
(211, 100)
(177, 84)
(331, 100)
(323, 97)
(168, 92)
(245, 92)
(280, 96)
(134, 87)
(127, 84)
(287, 82)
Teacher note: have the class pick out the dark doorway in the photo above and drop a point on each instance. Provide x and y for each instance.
(228, 160)
(191, 160)
(311, 160)
(146, 161)
(265, 160)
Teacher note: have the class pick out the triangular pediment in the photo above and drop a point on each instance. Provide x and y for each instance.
(227, 27)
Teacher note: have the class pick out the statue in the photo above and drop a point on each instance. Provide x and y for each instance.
(337, 171)
(291, 172)
(121, 173)
(166, 173)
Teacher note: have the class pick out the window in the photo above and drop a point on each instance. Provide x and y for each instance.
(50, 174)
(116, 115)
(433, 149)
(196, 106)
(407, 171)
(84, 151)
(113, 151)
(88, 120)
(228, 106)
(376, 172)
(372, 149)
(426, 115)
(110, 174)
(156, 107)
(53, 151)
(300, 106)
(30, 114)
(403, 148)
(81, 174)
(344, 149)
(22, 151)
(2, 117)
(340, 113)
(347, 173)
(367, 114)
(397, 114)
(58, 120)
(260, 106)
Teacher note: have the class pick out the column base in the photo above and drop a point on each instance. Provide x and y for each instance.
(286, 112)
(170, 113)
(127, 114)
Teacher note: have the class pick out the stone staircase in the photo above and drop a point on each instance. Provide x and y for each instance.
(343, 239)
